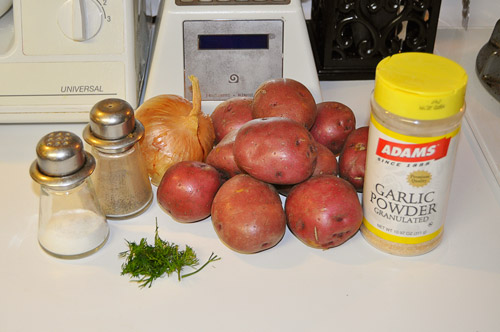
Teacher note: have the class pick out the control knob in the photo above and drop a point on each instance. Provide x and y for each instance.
(80, 20)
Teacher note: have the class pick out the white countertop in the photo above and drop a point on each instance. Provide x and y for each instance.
(291, 287)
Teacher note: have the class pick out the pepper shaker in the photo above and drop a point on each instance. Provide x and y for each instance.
(121, 179)
(71, 224)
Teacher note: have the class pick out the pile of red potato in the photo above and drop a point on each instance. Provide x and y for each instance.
(278, 142)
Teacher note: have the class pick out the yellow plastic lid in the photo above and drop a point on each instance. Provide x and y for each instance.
(420, 86)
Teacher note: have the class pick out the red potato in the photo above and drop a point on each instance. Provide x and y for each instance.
(326, 161)
(222, 157)
(231, 115)
(187, 189)
(334, 122)
(275, 150)
(352, 160)
(247, 215)
(324, 211)
(326, 164)
(285, 98)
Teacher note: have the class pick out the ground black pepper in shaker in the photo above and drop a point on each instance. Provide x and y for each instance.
(121, 180)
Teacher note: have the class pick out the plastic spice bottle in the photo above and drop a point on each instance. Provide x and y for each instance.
(121, 180)
(71, 224)
(417, 109)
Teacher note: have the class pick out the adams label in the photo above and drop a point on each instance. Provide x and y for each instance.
(407, 184)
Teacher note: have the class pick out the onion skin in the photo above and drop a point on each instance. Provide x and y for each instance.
(175, 130)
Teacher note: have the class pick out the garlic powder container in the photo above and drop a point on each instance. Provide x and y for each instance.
(417, 108)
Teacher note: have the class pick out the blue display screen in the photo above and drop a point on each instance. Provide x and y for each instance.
(233, 42)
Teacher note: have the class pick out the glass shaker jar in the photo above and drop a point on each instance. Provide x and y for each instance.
(121, 179)
(71, 224)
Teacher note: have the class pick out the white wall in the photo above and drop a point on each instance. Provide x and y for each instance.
(483, 13)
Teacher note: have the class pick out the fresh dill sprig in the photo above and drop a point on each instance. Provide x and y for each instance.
(145, 263)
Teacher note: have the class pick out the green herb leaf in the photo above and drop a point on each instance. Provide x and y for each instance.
(145, 263)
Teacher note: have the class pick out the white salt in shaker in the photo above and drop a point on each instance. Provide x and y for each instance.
(71, 224)
(121, 180)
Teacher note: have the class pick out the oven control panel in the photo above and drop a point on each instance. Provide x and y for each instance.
(231, 58)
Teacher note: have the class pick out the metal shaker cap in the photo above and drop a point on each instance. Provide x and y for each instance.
(112, 119)
(60, 153)
(112, 127)
(61, 160)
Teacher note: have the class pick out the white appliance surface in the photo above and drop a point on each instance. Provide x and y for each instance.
(5, 6)
(59, 58)
(290, 287)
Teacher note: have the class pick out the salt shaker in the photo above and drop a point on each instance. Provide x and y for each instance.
(71, 223)
(121, 179)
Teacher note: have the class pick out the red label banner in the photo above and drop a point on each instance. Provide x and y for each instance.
(413, 152)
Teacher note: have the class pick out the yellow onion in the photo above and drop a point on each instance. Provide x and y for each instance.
(175, 130)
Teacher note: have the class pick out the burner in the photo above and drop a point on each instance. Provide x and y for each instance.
(488, 63)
